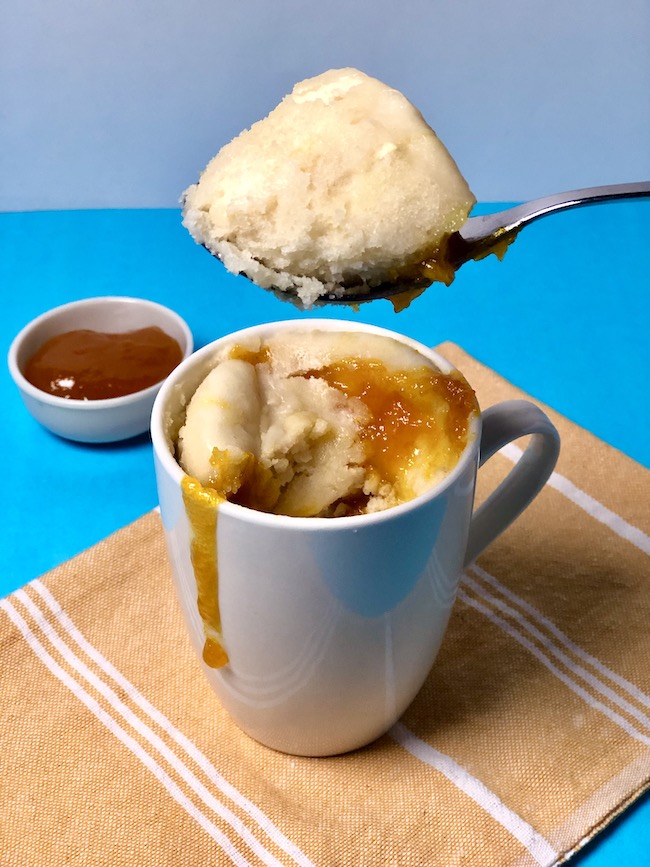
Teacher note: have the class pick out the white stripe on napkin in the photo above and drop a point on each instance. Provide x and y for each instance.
(540, 849)
(184, 742)
(107, 720)
(123, 711)
(564, 640)
(579, 690)
(580, 672)
(588, 504)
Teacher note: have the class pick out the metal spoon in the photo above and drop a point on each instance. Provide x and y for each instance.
(492, 233)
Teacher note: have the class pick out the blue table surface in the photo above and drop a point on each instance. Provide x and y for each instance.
(564, 317)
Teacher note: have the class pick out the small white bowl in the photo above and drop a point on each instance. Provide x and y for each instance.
(93, 421)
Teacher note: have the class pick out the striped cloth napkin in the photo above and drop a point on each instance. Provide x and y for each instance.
(530, 735)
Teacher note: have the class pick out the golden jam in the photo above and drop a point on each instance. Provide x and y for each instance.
(413, 412)
(202, 507)
(93, 365)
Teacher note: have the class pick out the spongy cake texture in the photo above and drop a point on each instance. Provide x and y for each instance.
(344, 184)
(270, 426)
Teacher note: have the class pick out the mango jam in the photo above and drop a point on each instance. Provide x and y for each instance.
(202, 506)
(418, 417)
(94, 365)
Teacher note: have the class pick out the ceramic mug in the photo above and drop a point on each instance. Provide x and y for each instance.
(332, 624)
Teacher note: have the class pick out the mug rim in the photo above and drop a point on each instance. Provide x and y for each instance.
(161, 444)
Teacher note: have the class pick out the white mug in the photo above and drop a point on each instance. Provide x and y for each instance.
(332, 624)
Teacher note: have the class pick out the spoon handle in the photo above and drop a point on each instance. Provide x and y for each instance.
(480, 234)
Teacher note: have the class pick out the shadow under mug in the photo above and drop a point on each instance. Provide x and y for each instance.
(332, 624)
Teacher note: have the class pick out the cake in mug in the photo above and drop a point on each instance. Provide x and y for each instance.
(324, 424)
(343, 187)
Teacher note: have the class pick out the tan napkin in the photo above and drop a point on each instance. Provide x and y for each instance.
(532, 732)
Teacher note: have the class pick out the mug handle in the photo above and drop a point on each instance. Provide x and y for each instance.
(502, 424)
